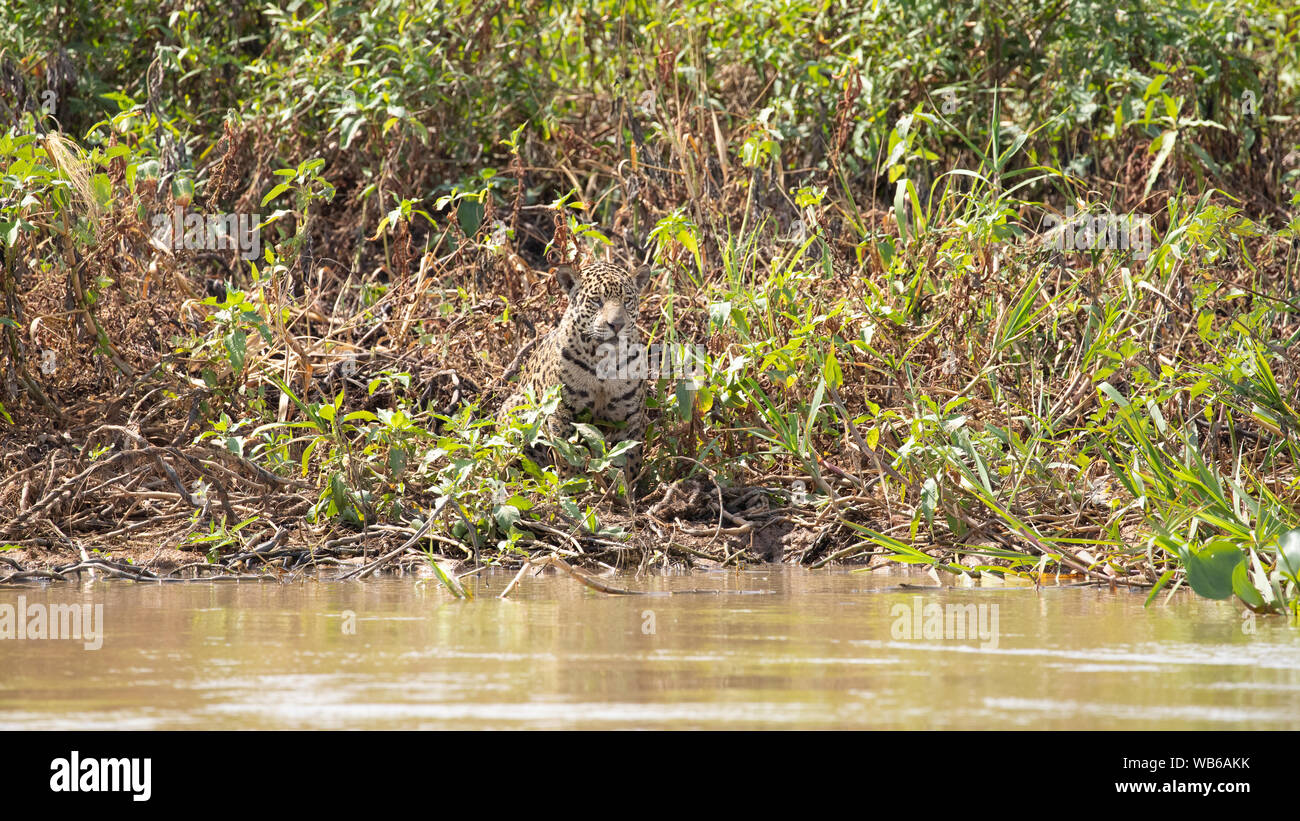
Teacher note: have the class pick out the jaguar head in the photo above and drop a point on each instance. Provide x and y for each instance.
(604, 298)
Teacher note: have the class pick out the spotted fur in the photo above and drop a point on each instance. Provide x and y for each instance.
(601, 317)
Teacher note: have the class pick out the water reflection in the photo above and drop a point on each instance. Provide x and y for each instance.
(776, 648)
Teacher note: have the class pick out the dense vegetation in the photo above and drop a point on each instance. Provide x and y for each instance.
(993, 290)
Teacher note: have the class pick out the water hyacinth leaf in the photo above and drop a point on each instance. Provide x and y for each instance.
(1210, 569)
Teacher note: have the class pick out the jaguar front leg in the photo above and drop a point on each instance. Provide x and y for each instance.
(634, 430)
(558, 428)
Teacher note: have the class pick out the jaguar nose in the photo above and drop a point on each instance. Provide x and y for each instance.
(616, 325)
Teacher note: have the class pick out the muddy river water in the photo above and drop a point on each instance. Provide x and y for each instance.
(772, 648)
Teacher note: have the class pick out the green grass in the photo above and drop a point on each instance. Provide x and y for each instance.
(850, 205)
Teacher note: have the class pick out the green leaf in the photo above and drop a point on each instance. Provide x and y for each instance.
(704, 398)
(1210, 569)
(1115, 396)
(1166, 142)
(447, 581)
(900, 209)
(831, 371)
(590, 436)
(1164, 579)
(307, 452)
(929, 499)
(275, 192)
(507, 516)
(349, 131)
(519, 502)
(237, 348)
(397, 459)
(1288, 553)
(1242, 586)
(338, 490)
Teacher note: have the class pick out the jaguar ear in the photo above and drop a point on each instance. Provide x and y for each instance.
(642, 277)
(567, 277)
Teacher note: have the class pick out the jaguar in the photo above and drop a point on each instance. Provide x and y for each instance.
(595, 356)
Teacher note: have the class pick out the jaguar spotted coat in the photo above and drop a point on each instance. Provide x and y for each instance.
(596, 345)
